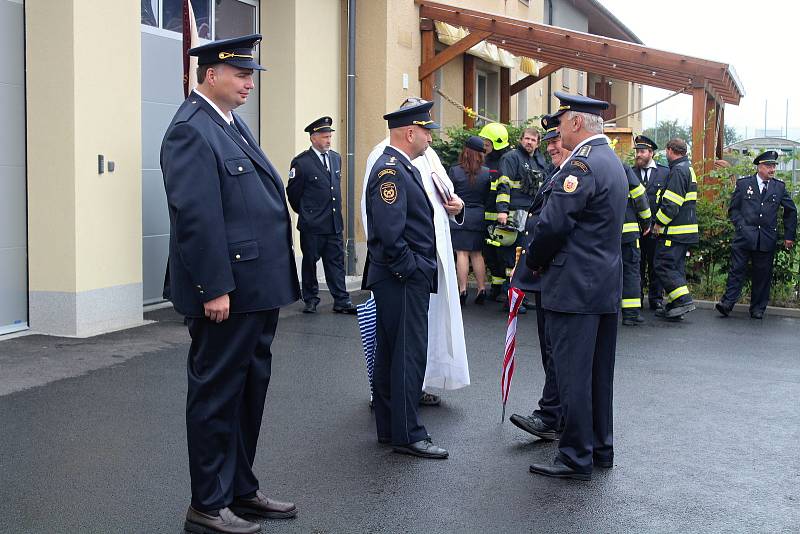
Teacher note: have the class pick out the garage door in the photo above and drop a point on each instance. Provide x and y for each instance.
(162, 93)
(13, 197)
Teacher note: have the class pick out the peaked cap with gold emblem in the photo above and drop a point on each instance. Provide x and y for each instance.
(237, 52)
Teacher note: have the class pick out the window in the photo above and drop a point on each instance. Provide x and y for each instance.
(565, 78)
(220, 19)
(522, 106)
(481, 93)
(580, 83)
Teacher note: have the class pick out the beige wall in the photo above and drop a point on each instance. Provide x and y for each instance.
(83, 91)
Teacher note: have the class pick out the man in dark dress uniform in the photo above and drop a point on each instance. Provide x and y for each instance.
(754, 214)
(653, 177)
(545, 422)
(231, 268)
(401, 271)
(315, 194)
(577, 251)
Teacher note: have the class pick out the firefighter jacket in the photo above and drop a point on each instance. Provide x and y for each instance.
(676, 208)
(492, 162)
(521, 175)
(638, 208)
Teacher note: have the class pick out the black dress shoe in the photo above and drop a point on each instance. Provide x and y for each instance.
(480, 298)
(311, 307)
(724, 310)
(429, 399)
(757, 315)
(559, 470)
(263, 506)
(534, 425)
(424, 449)
(347, 308)
(225, 523)
(462, 297)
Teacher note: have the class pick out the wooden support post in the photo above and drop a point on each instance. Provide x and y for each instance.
(698, 126)
(710, 135)
(428, 52)
(505, 95)
(469, 88)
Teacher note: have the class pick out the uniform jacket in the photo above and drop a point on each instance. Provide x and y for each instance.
(524, 278)
(475, 197)
(315, 194)
(577, 241)
(521, 175)
(492, 162)
(755, 216)
(638, 208)
(676, 208)
(230, 230)
(656, 183)
(401, 235)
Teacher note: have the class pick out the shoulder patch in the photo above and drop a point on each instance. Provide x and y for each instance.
(779, 180)
(384, 172)
(291, 173)
(570, 183)
(580, 165)
(388, 192)
(584, 151)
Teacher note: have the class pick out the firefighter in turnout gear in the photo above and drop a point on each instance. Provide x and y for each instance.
(638, 209)
(676, 229)
(495, 137)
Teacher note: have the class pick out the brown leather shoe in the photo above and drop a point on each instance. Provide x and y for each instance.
(226, 523)
(263, 506)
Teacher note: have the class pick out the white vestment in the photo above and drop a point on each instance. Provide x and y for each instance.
(447, 366)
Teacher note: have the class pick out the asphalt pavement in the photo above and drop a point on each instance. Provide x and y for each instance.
(707, 430)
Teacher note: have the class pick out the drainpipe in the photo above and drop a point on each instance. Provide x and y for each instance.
(350, 247)
(550, 76)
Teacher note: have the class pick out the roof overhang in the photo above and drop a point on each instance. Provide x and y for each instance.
(593, 53)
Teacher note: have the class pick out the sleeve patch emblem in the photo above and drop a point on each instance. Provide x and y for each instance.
(388, 192)
(581, 165)
(570, 184)
(291, 173)
(384, 172)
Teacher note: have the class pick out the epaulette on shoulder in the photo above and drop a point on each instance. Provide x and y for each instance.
(584, 151)
(779, 180)
(187, 112)
(743, 178)
(662, 165)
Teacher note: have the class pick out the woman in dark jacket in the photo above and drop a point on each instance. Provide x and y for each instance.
(471, 181)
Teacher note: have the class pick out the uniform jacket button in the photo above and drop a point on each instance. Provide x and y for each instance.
(241, 168)
(238, 256)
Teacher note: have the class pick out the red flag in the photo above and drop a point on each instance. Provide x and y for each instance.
(190, 40)
(515, 297)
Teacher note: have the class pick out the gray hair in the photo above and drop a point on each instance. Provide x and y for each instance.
(591, 123)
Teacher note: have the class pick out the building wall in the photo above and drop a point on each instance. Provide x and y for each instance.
(85, 250)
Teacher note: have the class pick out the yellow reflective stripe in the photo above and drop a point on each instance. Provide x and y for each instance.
(663, 219)
(503, 180)
(691, 195)
(490, 215)
(637, 242)
(645, 214)
(677, 293)
(502, 197)
(631, 303)
(637, 191)
(496, 280)
(682, 229)
(515, 184)
(674, 197)
(630, 227)
(694, 176)
(493, 185)
(668, 243)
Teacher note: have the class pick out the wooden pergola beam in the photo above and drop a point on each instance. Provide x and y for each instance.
(698, 126)
(529, 80)
(433, 64)
(469, 88)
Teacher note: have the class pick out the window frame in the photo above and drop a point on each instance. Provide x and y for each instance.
(212, 16)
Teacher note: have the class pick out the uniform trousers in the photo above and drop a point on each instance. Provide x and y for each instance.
(655, 293)
(330, 248)
(631, 278)
(549, 405)
(229, 368)
(670, 263)
(761, 269)
(400, 357)
(584, 348)
(493, 256)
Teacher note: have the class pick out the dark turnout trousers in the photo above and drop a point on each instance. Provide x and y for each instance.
(229, 369)
(761, 269)
(631, 278)
(655, 293)
(329, 248)
(549, 404)
(400, 357)
(583, 354)
(670, 263)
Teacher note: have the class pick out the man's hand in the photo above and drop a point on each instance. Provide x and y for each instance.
(788, 244)
(657, 229)
(454, 205)
(218, 309)
(502, 218)
(646, 231)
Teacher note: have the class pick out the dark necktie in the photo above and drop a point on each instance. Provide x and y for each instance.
(764, 189)
(235, 129)
(325, 161)
(645, 176)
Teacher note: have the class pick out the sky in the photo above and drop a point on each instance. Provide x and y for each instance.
(759, 39)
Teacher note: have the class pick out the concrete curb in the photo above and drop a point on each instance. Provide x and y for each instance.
(745, 310)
